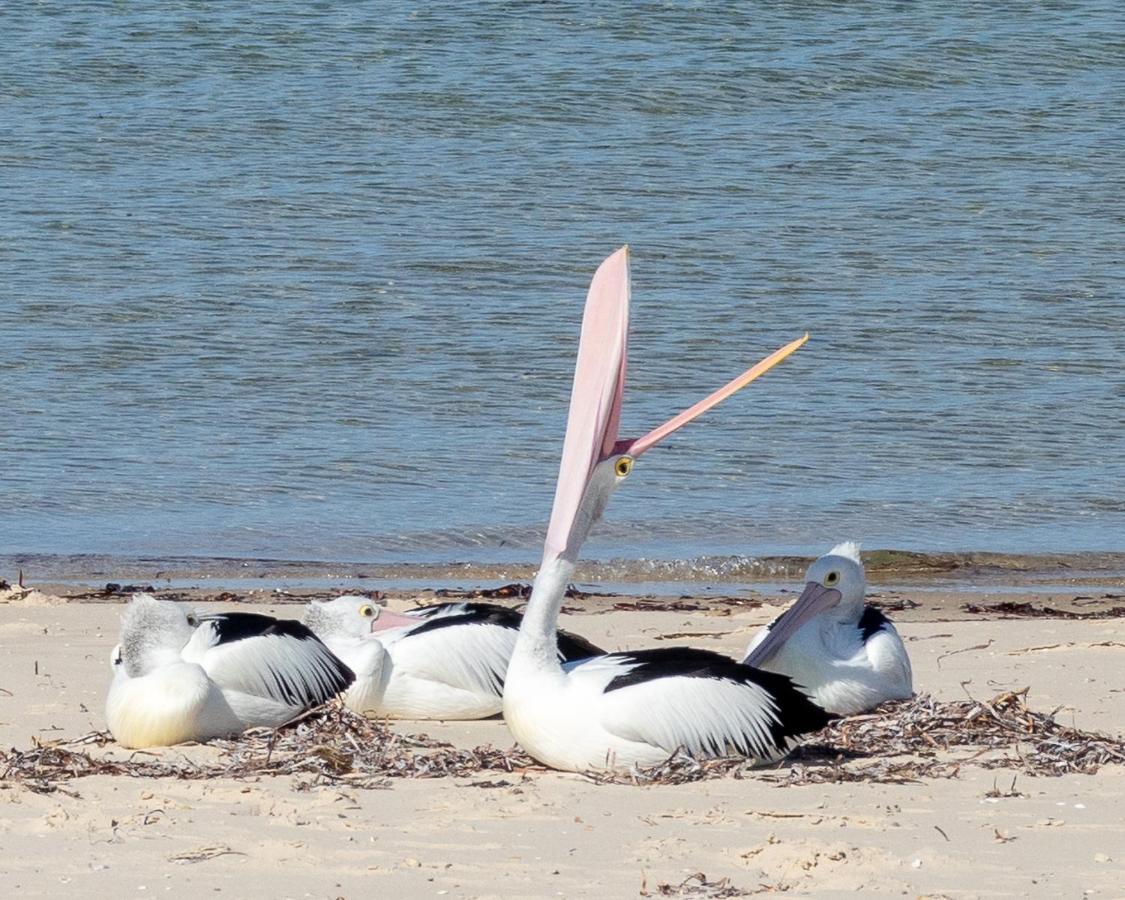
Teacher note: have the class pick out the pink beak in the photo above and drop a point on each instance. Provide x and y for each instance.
(814, 600)
(599, 385)
(387, 620)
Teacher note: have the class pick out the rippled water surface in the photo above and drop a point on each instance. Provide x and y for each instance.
(304, 280)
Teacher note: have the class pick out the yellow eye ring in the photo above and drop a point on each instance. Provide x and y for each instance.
(832, 578)
(623, 466)
(367, 611)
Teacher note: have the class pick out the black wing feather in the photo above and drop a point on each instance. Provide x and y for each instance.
(797, 713)
(471, 614)
(237, 626)
(571, 646)
(330, 676)
(872, 621)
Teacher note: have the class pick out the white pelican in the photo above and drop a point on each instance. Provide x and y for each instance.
(845, 654)
(445, 661)
(630, 708)
(179, 679)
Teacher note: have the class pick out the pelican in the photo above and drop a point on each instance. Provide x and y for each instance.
(180, 678)
(445, 661)
(630, 708)
(847, 655)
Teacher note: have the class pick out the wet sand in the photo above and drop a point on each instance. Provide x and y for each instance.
(541, 834)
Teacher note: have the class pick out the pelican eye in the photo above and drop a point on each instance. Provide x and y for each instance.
(367, 611)
(623, 466)
(831, 578)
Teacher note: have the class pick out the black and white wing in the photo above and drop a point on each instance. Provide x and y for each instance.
(886, 653)
(574, 647)
(278, 659)
(703, 702)
(439, 615)
(872, 621)
(467, 647)
(440, 610)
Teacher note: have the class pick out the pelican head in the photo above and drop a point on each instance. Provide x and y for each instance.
(153, 632)
(595, 459)
(834, 587)
(353, 616)
(840, 573)
(349, 616)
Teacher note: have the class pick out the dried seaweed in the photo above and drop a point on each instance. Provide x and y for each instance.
(697, 885)
(327, 746)
(892, 604)
(203, 854)
(920, 738)
(905, 741)
(514, 591)
(517, 590)
(900, 743)
(116, 593)
(1029, 610)
(647, 605)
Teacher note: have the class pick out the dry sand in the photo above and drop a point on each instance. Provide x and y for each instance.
(541, 834)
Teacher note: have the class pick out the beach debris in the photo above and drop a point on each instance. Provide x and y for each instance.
(203, 853)
(983, 646)
(697, 885)
(1030, 610)
(995, 793)
(653, 605)
(889, 604)
(113, 589)
(514, 591)
(899, 743)
(327, 746)
(904, 741)
(920, 738)
(517, 590)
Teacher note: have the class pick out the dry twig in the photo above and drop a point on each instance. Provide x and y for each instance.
(327, 746)
(698, 885)
(906, 741)
(899, 743)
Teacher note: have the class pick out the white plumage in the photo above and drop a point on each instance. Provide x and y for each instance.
(626, 709)
(179, 679)
(845, 654)
(445, 661)
(638, 708)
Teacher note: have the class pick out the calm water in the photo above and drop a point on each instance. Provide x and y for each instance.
(304, 280)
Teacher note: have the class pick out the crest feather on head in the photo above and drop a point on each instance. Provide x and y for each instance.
(849, 550)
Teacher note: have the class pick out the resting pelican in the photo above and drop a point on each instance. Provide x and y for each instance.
(630, 708)
(445, 661)
(845, 654)
(179, 679)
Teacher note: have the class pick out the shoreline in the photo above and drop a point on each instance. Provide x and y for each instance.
(969, 570)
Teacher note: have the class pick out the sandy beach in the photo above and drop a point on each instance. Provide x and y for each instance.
(292, 299)
(973, 832)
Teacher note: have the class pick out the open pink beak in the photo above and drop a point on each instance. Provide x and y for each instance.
(599, 385)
